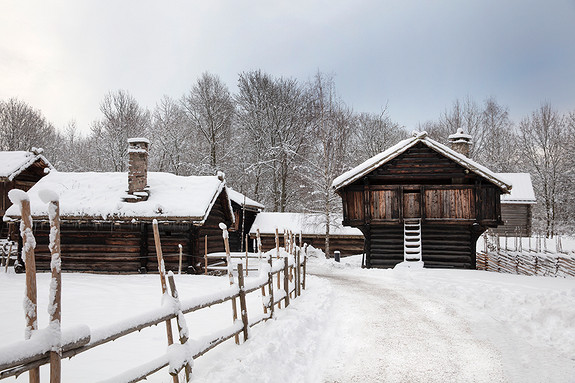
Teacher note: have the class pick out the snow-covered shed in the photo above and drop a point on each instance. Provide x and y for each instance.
(421, 200)
(346, 240)
(517, 207)
(245, 211)
(20, 170)
(107, 221)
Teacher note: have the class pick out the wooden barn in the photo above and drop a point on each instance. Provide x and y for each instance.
(346, 240)
(107, 217)
(517, 207)
(19, 170)
(421, 201)
(245, 211)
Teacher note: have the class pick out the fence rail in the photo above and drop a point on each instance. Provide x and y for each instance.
(35, 354)
(525, 256)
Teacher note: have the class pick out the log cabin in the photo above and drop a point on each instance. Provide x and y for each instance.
(517, 207)
(106, 218)
(346, 240)
(422, 201)
(19, 170)
(245, 211)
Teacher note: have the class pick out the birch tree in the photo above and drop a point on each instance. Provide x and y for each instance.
(543, 139)
(172, 139)
(123, 118)
(331, 123)
(23, 127)
(210, 110)
(272, 113)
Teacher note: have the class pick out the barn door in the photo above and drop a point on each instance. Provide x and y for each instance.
(411, 204)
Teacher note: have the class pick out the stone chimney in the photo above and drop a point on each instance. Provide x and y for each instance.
(460, 142)
(137, 170)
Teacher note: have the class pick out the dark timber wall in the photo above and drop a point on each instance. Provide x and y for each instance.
(130, 247)
(455, 206)
(516, 220)
(24, 181)
(347, 245)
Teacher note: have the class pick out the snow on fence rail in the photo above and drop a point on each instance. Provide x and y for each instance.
(30, 354)
(518, 257)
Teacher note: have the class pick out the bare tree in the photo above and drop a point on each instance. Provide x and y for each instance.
(272, 112)
(374, 133)
(543, 138)
(172, 140)
(210, 109)
(327, 154)
(123, 118)
(23, 127)
(499, 149)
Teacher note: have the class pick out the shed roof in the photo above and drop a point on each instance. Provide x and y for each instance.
(522, 192)
(100, 197)
(402, 146)
(241, 199)
(12, 163)
(305, 223)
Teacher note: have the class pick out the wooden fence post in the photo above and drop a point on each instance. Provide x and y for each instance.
(278, 257)
(19, 197)
(181, 322)
(243, 306)
(247, 269)
(206, 255)
(286, 280)
(180, 263)
(271, 287)
(162, 271)
(298, 272)
(304, 266)
(225, 235)
(259, 247)
(55, 304)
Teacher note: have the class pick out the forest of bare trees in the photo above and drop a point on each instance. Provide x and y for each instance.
(282, 141)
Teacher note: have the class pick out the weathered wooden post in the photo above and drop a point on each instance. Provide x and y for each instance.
(258, 245)
(286, 280)
(55, 303)
(247, 269)
(181, 322)
(298, 272)
(225, 235)
(278, 257)
(206, 255)
(19, 197)
(243, 306)
(304, 266)
(180, 263)
(162, 271)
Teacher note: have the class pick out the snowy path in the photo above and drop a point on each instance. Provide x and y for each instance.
(398, 335)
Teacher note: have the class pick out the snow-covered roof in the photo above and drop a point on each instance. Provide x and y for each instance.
(15, 162)
(100, 197)
(305, 223)
(402, 146)
(241, 199)
(522, 191)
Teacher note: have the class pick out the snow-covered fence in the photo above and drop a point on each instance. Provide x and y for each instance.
(30, 354)
(525, 256)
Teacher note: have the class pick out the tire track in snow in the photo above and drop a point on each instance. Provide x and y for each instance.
(398, 335)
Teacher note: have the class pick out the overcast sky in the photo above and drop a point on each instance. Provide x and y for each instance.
(417, 57)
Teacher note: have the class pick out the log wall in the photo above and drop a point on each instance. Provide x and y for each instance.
(517, 220)
(112, 248)
(346, 245)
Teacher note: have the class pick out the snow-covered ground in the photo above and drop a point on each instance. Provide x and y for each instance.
(350, 325)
